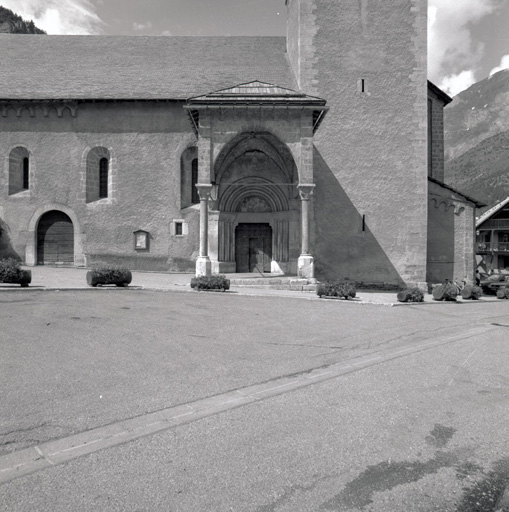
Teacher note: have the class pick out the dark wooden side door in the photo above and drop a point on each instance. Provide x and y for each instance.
(55, 239)
(253, 247)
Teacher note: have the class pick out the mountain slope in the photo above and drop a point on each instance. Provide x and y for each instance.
(477, 139)
(11, 23)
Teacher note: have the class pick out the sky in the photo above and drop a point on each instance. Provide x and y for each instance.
(468, 40)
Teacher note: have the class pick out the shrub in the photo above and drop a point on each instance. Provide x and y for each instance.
(471, 291)
(503, 293)
(109, 274)
(10, 270)
(411, 295)
(213, 282)
(446, 291)
(336, 289)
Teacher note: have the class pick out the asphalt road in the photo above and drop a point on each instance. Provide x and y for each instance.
(408, 409)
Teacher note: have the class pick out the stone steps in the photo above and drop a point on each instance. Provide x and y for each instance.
(275, 283)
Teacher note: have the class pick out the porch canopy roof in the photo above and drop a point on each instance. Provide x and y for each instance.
(257, 94)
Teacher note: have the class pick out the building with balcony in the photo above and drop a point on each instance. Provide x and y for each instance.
(492, 247)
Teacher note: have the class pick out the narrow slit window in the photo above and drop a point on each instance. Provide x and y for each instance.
(362, 85)
(26, 175)
(178, 229)
(103, 177)
(195, 197)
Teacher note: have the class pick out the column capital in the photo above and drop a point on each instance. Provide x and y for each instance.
(306, 190)
(204, 190)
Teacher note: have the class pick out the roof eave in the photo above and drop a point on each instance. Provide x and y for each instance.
(478, 204)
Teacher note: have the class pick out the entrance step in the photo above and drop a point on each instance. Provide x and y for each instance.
(293, 283)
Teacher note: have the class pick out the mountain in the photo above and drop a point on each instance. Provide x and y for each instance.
(477, 140)
(11, 23)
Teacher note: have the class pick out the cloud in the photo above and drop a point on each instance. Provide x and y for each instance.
(59, 16)
(139, 27)
(454, 84)
(504, 64)
(453, 53)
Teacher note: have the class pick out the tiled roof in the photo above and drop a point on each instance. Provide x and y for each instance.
(136, 67)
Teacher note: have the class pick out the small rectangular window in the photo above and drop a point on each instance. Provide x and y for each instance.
(362, 86)
(195, 197)
(178, 229)
(103, 177)
(26, 169)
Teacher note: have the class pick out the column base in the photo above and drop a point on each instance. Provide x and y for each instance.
(305, 266)
(203, 266)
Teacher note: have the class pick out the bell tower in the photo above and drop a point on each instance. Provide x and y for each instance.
(368, 60)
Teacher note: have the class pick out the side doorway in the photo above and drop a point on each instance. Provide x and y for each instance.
(253, 247)
(55, 239)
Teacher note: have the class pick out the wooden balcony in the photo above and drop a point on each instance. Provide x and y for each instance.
(490, 248)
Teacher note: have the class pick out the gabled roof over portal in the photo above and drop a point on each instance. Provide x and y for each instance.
(258, 94)
(42, 67)
(491, 212)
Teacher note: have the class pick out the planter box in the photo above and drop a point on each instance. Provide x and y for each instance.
(95, 278)
(24, 278)
(213, 283)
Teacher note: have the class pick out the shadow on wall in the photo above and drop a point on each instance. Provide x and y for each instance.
(6, 250)
(344, 247)
(440, 241)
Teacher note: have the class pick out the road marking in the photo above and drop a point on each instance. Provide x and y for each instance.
(463, 364)
(44, 455)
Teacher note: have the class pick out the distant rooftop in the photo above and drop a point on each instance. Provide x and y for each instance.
(136, 67)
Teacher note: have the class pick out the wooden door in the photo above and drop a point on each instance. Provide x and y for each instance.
(55, 239)
(253, 247)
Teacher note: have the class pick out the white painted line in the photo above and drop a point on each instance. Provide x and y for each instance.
(321, 374)
(76, 447)
(39, 451)
(268, 390)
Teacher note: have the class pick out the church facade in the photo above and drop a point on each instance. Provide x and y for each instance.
(318, 155)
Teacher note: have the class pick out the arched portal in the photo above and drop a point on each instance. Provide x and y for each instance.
(256, 208)
(55, 239)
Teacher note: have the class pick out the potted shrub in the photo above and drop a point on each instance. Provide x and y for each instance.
(215, 282)
(109, 274)
(336, 289)
(411, 295)
(445, 291)
(11, 272)
(471, 291)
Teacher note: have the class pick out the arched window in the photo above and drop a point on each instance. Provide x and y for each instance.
(189, 177)
(98, 174)
(195, 197)
(19, 170)
(103, 177)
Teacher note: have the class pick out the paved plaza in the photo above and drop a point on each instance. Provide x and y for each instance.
(255, 400)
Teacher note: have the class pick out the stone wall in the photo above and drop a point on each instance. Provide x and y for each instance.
(451, 229)
(145, 141)
(368, 60)
(435, 136)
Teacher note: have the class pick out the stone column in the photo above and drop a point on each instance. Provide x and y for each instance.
(305, 263)
(203, 265)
